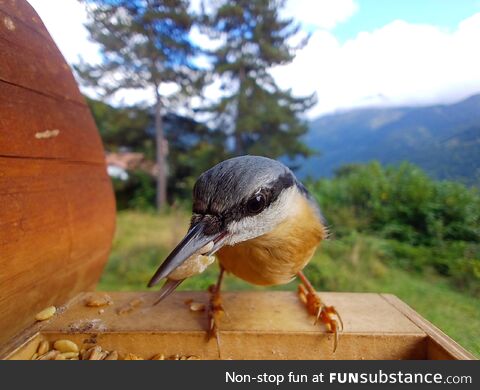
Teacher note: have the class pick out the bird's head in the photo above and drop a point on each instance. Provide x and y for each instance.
(236, 200)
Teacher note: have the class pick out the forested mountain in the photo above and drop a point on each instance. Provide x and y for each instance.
(444, 140)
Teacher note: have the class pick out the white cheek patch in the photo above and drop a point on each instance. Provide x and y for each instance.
(256, 225)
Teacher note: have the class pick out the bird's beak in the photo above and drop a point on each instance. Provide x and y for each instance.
(194, 240)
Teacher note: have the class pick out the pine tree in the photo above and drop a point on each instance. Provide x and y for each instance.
(144, 44)
(260, 117)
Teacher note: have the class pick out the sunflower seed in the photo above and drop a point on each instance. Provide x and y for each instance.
(65, 346)
(46, 313)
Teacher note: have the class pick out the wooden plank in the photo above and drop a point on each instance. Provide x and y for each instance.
(251, 311)
(33, 61)
(247, 346)
(56, 227)
(440, 346)
(257, 325)
(26, 117)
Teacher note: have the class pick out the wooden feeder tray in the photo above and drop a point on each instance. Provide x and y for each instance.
(57, 219)
(257, 325)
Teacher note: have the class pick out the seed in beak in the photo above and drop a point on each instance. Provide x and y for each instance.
(195, 264)
(207, 248)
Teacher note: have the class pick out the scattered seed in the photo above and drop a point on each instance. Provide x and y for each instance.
(112, 356)
(99, 300)
(85, 354)
(65, 346)
(69, 355)
(131, 356)
(68, 350)
(50, 355)
(47, 134)
(130, 306)
(136, 302)
(125, 310)
(103, 355)
(193, 357)
(46, 313)
(196, 306)
(101, 311)
(43, 347)
(95, 353)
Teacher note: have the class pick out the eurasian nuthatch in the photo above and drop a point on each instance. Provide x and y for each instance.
(262, 224)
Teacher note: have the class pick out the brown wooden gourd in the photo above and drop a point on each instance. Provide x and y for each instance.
(57, 209)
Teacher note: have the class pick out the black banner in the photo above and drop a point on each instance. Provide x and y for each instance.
(242, 374)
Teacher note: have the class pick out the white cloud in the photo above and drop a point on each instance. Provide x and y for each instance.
(398, 64)
(64, 20)
(325, 14)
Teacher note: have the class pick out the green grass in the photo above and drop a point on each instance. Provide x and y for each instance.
(355, 263)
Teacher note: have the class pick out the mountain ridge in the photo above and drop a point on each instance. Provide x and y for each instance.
(442, 139)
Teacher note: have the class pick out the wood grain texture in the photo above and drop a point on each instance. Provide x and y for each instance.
(440, 346)
(56, 226)
(257, 325)
(26, 116)
(57, 210)
(33, 61)
(23, 11)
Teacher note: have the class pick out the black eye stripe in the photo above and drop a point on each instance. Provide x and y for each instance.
(202, 207)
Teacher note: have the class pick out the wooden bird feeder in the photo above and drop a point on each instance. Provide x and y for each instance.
(57, 219)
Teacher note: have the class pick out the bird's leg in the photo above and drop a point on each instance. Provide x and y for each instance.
(215, 308)
(327, 314)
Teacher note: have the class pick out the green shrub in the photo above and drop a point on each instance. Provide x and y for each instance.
(428, 225)
(138, 192)
(399, 202)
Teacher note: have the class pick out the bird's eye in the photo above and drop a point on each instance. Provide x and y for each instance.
(256, 204)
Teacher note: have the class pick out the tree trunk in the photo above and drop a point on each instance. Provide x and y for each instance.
(239, 130)
(161, 197)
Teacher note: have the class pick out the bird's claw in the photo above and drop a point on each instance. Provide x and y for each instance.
(214, 312)
(326, 314)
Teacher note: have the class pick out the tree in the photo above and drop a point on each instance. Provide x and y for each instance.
(125, 128)
(144, 44)
(192, 148)
(261, 118)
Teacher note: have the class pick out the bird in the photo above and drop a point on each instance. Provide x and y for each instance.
(263, 226)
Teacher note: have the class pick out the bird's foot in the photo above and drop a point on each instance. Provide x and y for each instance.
(214, 312)
(326, 314)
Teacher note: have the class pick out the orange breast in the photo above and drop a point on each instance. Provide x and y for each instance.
(275, 257)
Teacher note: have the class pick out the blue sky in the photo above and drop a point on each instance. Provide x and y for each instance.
(361, 52)
(373, 14)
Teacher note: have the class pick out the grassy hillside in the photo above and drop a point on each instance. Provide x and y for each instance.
(353, 262)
